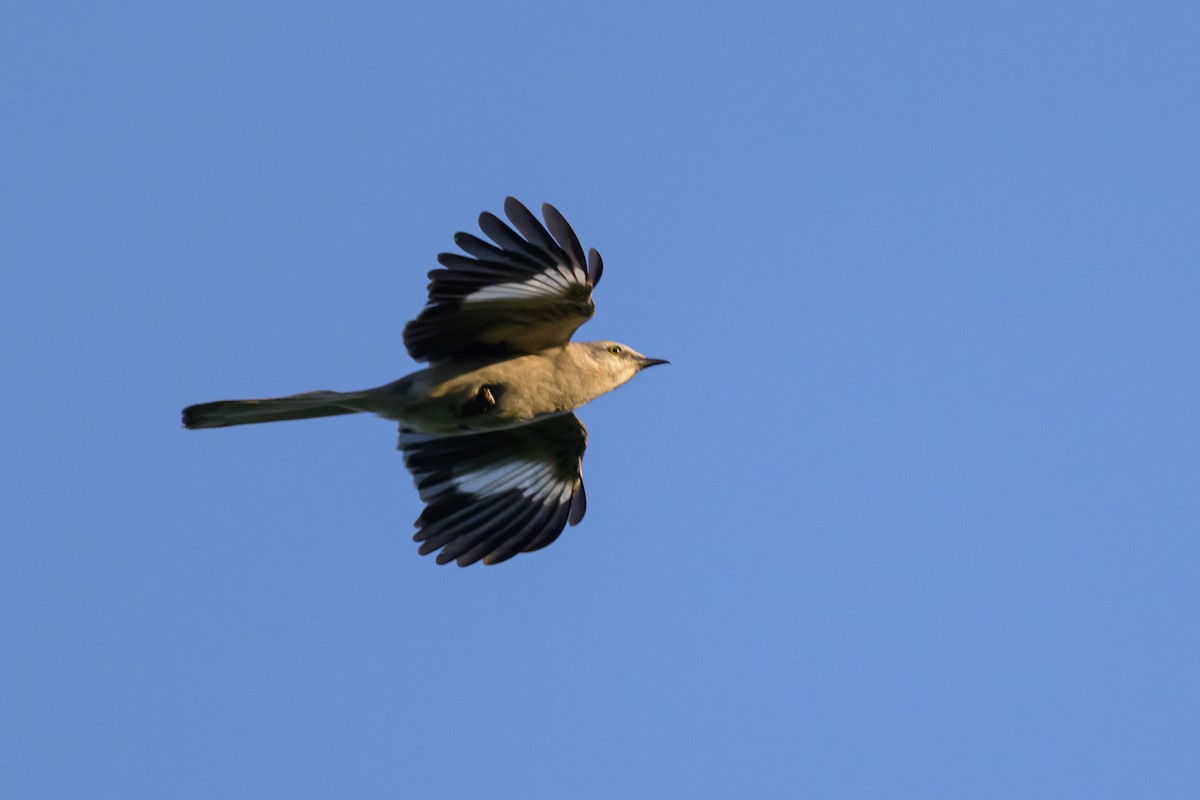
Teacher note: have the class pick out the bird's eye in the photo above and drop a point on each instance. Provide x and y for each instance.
(615, 349)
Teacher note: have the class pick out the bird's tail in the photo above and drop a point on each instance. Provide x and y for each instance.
(276, 409)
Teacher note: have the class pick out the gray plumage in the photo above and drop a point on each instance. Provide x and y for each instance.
(487, 429)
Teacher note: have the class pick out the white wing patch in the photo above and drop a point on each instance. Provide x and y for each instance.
(530, 478)
(552, 283)
(536, 480)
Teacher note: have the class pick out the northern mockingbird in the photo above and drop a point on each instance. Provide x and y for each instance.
(486, 429)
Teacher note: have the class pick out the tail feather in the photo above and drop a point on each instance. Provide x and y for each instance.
(223, 413)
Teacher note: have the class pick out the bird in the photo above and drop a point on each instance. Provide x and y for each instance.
(487, 428)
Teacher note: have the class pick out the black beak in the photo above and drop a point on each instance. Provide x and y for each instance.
(650, 362)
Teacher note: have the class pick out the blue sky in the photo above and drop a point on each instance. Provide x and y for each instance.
(913, 513)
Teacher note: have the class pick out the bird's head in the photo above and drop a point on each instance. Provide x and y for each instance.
(618, 362)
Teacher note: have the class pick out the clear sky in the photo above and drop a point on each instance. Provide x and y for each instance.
(913, 513)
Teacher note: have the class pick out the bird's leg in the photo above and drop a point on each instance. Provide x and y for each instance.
(483, 402)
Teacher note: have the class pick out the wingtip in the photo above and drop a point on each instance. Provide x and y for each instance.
(595, 266)
(489, 220)
(514, 207)
(578, 506)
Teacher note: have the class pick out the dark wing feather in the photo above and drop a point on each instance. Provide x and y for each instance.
(528, 291)
(564, 235)
(489, 496)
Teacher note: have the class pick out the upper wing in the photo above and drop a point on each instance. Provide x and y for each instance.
(523, 294)
(492, 495)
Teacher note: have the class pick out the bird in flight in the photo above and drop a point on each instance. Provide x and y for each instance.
(487, 429)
